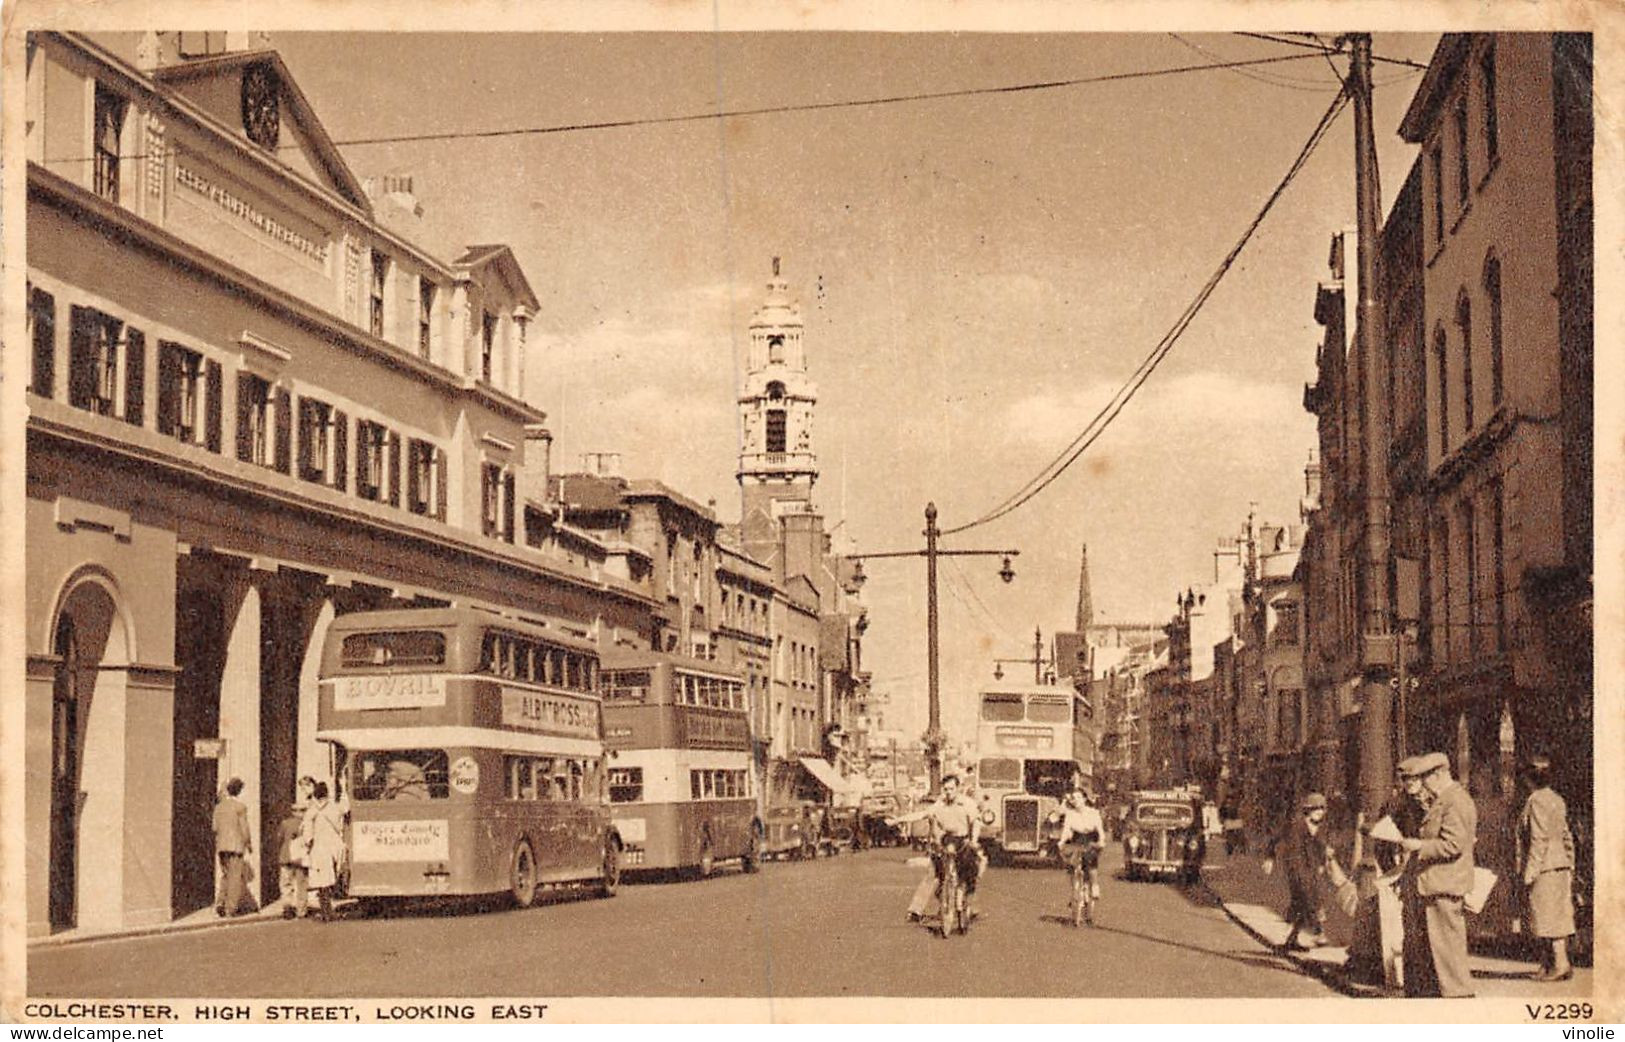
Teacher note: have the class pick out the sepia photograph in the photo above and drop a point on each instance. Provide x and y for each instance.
(507, 513)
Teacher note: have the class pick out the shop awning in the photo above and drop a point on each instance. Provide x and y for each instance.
(826, 775)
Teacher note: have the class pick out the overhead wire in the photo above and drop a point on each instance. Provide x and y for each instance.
(767, 110)
(1319, 45)
(1114, 406)
(1317, 85)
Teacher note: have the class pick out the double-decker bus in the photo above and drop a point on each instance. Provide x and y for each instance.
(1030, 746)
(471, 749)
(680, 786)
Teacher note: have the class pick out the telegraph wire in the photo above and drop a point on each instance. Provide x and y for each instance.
(1318, 45)
(769, 110)
(1315, 86)
(1109, 412)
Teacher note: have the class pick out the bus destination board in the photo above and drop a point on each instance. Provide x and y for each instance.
(548, 713)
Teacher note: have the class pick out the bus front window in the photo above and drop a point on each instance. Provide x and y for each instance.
(1000, 708)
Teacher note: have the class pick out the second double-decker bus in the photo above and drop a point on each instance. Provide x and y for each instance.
(1030, 748)
(471, 750)
(680, 786)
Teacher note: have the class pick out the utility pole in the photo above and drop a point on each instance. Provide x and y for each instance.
(933, 733)
(1376, 732)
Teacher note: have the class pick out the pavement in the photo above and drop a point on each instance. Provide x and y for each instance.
(1255, 901)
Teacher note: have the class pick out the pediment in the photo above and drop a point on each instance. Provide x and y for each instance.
(253, 95)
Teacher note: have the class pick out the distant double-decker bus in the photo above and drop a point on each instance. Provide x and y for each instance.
(680, 785)
(1029, 746)
(471, 749)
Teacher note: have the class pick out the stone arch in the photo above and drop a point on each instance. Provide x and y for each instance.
(93, 632)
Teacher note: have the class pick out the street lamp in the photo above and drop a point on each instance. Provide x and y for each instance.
(933, 734)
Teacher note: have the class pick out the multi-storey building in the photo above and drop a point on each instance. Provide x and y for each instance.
(1506, 254)
(744, 635)
(253, 404)
(1270, 715)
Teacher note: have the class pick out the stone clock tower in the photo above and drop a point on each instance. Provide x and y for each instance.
(777, 465)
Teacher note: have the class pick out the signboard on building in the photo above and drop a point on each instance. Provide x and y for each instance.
(208, 748)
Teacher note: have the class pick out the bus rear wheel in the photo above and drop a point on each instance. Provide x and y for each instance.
(610, 880)
(522, 875)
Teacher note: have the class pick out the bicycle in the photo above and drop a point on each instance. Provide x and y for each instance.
(1083, 860)
(952, 895)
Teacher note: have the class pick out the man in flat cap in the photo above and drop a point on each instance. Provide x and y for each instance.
(1438, 877)
(1303, 853)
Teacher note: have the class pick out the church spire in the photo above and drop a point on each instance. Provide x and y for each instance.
(1086, 602)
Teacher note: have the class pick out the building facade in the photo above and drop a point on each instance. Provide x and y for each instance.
(253, 405)
(1506, 308)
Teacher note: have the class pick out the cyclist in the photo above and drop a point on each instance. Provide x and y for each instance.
(953, 814)
(1079, 841)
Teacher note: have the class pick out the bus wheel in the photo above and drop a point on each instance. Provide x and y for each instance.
(610, 881)
(751, 861)
(708, 860)
(522, 875)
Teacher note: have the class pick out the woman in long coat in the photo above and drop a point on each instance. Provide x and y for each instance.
(324, 834)
(1546, 860)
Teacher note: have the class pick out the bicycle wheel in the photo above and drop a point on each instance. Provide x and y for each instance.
(949, 898)
(1080, 892)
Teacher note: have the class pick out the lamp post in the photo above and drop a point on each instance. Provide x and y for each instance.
(933, 733)
(1038, 661)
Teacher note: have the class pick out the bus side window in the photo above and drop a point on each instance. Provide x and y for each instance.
(695, 786)
(576, 772)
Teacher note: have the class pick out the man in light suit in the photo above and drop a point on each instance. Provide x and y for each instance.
(1438, 877)
(232, 843)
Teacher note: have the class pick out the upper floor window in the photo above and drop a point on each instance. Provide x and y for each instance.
(1436, 161)
(1464, 331)
(425, 478)
(1492, 291)
(1492, 127)
(96, 381)
(377, 463)
(488, 339)
(775, 430)
(1286, 624)
(1463, 184)
(323, 433)
(775, 349)
(496, 501)
(253, 419)
(189, 396)
(42, 334)
(425, 315)
(375, 293)
(109, 127)
(1441, 352)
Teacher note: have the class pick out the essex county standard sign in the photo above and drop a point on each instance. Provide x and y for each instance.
(401, 840)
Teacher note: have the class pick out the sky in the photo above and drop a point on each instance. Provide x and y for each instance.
(977, 274)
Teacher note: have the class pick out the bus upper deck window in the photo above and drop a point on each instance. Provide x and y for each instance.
(406, 648)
